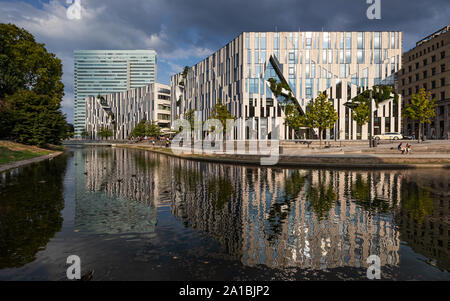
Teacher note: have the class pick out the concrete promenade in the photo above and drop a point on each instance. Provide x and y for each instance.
(385, 156)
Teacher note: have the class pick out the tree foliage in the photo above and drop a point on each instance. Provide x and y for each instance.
(320, 114)
(361, 113)
(380, 93)
(35, 119)
(321, 199)
(281, 89)
(146, 128)
(31, 90)
(105, 133)
(293, 118)
(421, 108)
(221, 113)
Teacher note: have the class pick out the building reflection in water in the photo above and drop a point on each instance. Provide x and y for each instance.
(276, 217)
(116, 191)
(291, 218)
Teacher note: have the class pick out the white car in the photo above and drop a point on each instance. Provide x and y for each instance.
(389, 136)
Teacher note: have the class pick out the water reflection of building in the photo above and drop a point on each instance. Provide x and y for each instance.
(272, 219)
(424, 217)
(117, 191)
(271, 216)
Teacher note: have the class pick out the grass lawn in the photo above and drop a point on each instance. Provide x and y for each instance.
(12, 152)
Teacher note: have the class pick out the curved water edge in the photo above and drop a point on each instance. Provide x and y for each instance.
(132, 214)
(335, 161)
(18, 164)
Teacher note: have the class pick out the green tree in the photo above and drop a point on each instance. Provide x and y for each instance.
(421, 108)
(293, 118)
(140, 129)
(153, 130)
(28, 73)
(221, 113)
(361, 113)
(37, 119)
(361, 110)
(321, 114)
(280, 89)
(85, 134)
(105, 133)
(102, 100)
(186, 71)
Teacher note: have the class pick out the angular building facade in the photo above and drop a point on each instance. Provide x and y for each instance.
(428, 66)
(122, 111)
(342, 64)
(108, 71)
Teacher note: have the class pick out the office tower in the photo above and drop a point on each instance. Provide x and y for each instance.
(107, 71)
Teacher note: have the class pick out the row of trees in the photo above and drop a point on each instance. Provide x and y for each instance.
(31, 90)
(146, 128)
(320, 114)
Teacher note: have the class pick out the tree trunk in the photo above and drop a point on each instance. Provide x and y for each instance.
(320, 136)
(420, 133)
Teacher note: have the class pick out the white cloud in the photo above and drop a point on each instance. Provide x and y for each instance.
(102, 26)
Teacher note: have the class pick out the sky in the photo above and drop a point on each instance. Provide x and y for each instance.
(183, 32)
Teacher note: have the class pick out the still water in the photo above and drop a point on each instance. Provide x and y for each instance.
(136, 215)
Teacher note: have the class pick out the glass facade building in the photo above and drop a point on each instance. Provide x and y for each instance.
(340, 64)
(108, 71)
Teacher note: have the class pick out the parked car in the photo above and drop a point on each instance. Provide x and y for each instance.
(389, 136)
(409, 137)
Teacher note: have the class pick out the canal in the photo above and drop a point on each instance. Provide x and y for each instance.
(135, 215)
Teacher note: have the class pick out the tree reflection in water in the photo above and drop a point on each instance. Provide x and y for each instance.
(364, 194)
(321, 198)
(31, 203)
(280, 209)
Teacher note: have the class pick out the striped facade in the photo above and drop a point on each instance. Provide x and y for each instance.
(342, 64)
(122, 111)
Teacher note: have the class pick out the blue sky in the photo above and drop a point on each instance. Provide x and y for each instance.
(185, 31)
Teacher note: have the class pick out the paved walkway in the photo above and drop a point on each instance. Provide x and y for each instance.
(359, 160)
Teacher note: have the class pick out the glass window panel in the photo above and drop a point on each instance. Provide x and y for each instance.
(377, 40)
(360, 54)
(360, 40)
(263, 41)
(348, 56)
(348, 40)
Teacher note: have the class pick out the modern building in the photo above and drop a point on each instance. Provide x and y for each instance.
(428, 66)
(108, 71)
(122, 111)
(342, 64)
